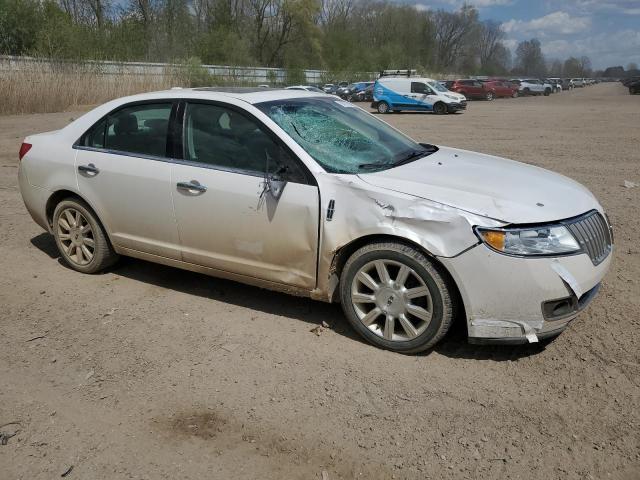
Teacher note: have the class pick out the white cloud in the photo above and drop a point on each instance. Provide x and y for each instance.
(479, 3)
(604, 49)
(627, 7)
(421, 7)
(553, 23)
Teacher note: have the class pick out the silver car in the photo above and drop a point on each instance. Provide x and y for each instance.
(307, 194)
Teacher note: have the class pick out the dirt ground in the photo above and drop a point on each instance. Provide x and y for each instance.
(148, 372)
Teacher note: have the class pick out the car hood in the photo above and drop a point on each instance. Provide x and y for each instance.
(489, 186)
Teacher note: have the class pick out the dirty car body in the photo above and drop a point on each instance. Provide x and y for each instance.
(305, 193)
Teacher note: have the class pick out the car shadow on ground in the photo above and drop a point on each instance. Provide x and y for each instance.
(312, 312)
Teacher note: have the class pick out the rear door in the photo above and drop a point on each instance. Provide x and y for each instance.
(226, 219)
(123, 172)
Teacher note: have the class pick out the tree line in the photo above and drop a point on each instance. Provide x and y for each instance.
(335, 35)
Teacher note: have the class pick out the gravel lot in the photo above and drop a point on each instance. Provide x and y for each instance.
(150, 372)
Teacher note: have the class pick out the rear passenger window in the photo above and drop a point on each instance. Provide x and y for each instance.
(140, 129)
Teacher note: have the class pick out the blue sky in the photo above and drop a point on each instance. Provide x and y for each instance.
(607, 31)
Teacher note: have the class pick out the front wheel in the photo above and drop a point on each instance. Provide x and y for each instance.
(489, 96)
(383, 107)
(439, 108)
(547, 92)
(514, 94)
(394, 296)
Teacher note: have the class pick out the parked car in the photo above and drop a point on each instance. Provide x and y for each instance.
(578, 82)
(307, 88)
(365, 95)
(350, 92)
(567, 84)
(500, 89)
(530, 86)
(260, 186)
(472, 89)
(556, 84)
(415, 93)
(330, 88)
(634, 87)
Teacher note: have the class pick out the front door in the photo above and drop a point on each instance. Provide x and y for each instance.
(226, 219)
(123, 173)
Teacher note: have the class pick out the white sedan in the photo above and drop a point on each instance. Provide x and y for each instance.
(307, 194)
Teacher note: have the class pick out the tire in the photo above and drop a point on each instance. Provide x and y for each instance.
(76, 241)
(547, 92)
(439, 108)
(383, 107)
(526, 91)
(431, 301)
(489, 96)
(632, 91)
(514, 94)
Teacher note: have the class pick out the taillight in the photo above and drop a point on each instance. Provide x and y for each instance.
(24, 148)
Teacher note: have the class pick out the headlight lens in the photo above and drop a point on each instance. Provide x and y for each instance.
(550, 240)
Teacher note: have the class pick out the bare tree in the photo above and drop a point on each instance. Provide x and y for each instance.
(452, 29)
(489, 43)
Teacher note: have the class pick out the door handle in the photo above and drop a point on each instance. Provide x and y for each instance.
(90, 169)
(191, 186)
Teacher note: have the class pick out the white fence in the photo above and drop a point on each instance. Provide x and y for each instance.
(227, 73)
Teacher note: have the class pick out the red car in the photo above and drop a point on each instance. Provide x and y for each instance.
(501, 88)
(487, 90)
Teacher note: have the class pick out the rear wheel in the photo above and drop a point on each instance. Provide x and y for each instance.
(514, 94)
(439, 108)
(394, 297)
(547, 92)
(383, 107)
(489, 96)
(81, 240)
(526, 91)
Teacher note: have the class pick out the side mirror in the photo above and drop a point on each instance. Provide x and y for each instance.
(275, 187)
(273, 184)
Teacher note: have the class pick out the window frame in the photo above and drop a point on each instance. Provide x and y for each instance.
(174, 152)
(169, 137)
(180, 132)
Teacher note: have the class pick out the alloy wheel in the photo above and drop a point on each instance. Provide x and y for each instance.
(76, 236)
(391, 300)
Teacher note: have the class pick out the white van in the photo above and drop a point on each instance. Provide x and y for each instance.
(415, 93)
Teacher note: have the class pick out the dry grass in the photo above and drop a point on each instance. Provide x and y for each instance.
(41, 89)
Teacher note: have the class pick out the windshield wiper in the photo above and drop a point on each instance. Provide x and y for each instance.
(412, 155)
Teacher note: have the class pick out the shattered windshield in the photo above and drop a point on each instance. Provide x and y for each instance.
(341, 137)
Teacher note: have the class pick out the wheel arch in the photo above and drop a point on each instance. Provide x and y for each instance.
(343, 253)
(59, 195)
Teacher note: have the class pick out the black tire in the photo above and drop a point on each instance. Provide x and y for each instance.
(103, 253)
(439, 108)
(383, 107)
(526, 91)
(547, 92)
(489, 96)
(439, 290)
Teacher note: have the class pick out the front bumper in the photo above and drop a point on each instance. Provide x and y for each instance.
(521, 300)
(454, 107)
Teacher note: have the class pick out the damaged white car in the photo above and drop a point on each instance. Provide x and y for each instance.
(304, 193)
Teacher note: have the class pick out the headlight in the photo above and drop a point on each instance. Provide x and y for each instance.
(550, 240)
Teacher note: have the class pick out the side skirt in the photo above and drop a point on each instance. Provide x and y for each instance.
(213, 272)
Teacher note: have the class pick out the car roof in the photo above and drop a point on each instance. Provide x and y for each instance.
(250, 95)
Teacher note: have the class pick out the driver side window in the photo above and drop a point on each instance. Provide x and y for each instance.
(224, 138)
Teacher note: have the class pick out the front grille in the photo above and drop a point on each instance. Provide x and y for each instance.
(593, 234)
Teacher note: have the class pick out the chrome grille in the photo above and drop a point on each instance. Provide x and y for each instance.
(593, 234)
